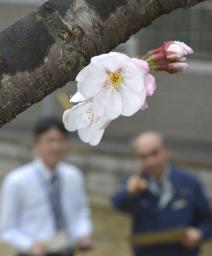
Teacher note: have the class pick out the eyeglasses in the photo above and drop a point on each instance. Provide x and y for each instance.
(152, 153)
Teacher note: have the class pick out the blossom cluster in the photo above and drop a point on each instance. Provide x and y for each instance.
(114, 85)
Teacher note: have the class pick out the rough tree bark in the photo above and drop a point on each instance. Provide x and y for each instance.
(43, 51)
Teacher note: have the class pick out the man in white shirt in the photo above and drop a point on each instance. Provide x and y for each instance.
(44, 210)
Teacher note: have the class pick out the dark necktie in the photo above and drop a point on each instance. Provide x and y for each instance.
(55, 198)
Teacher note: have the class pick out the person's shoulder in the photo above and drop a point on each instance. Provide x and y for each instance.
(185, 176)
(70, 170)
(19, 174)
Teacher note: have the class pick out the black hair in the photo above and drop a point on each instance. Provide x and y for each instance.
(45, 124)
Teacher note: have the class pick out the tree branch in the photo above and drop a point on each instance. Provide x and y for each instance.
(43, 51)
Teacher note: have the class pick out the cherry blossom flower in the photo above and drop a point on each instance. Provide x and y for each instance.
(112, 85)
(82, 118)
(115, 83)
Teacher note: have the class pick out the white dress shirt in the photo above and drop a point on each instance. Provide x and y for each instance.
(25, 214)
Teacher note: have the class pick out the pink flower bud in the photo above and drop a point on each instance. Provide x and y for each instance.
(169, 57)
(177, 67)
(178, 47)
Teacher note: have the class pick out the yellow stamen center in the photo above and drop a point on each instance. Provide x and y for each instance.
(115, 80)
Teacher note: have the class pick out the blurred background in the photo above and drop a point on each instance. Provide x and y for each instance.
(180, 109)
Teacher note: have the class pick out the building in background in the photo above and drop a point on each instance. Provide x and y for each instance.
(181, 107)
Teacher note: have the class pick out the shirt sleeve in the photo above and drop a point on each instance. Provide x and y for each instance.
(203, 212)
(82, 225)
(10, 207)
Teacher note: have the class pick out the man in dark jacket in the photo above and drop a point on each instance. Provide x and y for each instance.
(162, 197)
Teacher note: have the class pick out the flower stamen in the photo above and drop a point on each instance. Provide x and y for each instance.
(114, 81)
(90, 113)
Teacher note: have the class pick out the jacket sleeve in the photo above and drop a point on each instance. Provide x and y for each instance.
(10, 206)
(122, 200)
(203, 212)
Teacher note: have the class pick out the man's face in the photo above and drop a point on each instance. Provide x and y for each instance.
(151, 154)
(51, 146)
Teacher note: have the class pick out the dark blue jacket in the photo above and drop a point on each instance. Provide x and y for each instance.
(147, 217)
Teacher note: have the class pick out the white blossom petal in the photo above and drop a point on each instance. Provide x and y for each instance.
(108, 103)
(132, 101)
(142, 64)
(77, 97)
(76, 117)
(150, 84)
(112, 62)
(134, 78)
(93, 134)
(82, 75)
(117, 62)
(101, 56)
(135, 83)
(92, 83)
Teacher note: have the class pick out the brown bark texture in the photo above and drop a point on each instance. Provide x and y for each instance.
(47, 48)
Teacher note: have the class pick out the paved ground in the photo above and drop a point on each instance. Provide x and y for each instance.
(110, 234)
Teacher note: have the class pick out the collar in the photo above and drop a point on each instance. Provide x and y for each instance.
(44, 169)
(165, 191)
(164, 177)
